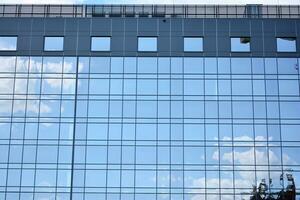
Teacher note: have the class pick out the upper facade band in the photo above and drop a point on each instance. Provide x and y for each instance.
(167, 11)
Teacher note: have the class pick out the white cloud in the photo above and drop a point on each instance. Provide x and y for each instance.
(7, 85)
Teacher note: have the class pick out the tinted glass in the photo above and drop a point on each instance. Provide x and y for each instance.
(8, 43)
(54, 44)
(100, 44)
(240, 44)
(287, 44)
(138, 127)
(193, 44)
(147, 44)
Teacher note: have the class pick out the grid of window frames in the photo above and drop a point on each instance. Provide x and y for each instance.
(146, 127)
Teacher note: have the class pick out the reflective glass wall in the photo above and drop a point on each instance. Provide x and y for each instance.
(147, 127)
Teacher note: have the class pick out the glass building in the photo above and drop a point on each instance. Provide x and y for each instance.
(149, 102)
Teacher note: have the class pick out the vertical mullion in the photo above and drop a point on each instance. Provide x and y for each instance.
(59, 126)
(108, 129)
(75, 115)
(24, 126)
(122, 115)
(38, 127)
(11, 125)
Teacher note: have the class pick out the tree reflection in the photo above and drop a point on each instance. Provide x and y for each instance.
(265, 193)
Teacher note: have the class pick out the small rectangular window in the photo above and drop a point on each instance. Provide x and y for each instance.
(100, 44)
(240, 44)
(286, 44)
(8, 43)
(147, 44)
(54, 43)
(193, 44)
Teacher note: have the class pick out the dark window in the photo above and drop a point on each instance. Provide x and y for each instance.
(240, 44)
(147, 44)
(100, 44)
(54, 43)
(8, 43)
(287, 44)
(193, 44)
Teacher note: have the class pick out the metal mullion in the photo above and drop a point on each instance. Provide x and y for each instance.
(122, 129)
(59, 126)
(232, 136)
(38, 126)
(218, 107)
(135, 126)
(170, 126)
(24, 126)
(170, 122)
(11, 124)
(183, 125)
(122, 99)
(157, 110)
(108, 130)
(279, 112)
(87, 127)
(253, 120)
(205, 132)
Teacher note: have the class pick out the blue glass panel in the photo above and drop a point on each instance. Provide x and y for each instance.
(145, 178)
(287, 66)
(241, 65)
(290, 110)
(193, 65)
(290, 132)
(95, 178)
(289, 87)
(100, 65)
(147, 65)
(96, 154)
(145, 155)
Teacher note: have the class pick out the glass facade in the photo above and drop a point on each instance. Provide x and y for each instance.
(147, 127)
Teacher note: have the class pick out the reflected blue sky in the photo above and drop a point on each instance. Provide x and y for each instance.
(165, 120)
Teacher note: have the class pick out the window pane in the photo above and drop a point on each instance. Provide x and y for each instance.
(240, 44)
(147, 44)
(287, 44)
(54, 44)
(100, 44)
(193, 44)
(8, 43)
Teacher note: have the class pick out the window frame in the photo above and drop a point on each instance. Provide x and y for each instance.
(11, 36)
(239, 51)
(147, 51)
(102, 36)
(278, 51)
(193, 37)
(54, 36)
